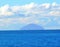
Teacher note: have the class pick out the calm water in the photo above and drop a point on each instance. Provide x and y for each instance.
(29, 39)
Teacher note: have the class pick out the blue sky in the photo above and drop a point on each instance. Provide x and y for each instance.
(22, 2)
(14, 14)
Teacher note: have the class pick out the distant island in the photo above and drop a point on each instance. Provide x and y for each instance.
(32, 27)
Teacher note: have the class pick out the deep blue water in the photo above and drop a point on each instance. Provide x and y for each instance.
(30, 38)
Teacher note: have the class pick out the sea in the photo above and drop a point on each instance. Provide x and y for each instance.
(30, 38)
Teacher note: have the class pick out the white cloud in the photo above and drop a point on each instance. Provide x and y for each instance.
(54, 4)
(55, 13)
(45, 5)
(5, 11)
(31, 8)
(33, 13)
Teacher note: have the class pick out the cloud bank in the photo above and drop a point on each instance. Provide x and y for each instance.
(42, 14)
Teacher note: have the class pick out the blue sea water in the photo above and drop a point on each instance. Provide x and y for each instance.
(30, 38)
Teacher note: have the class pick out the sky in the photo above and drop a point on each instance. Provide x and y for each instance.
(15, 14)
(23, 2)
